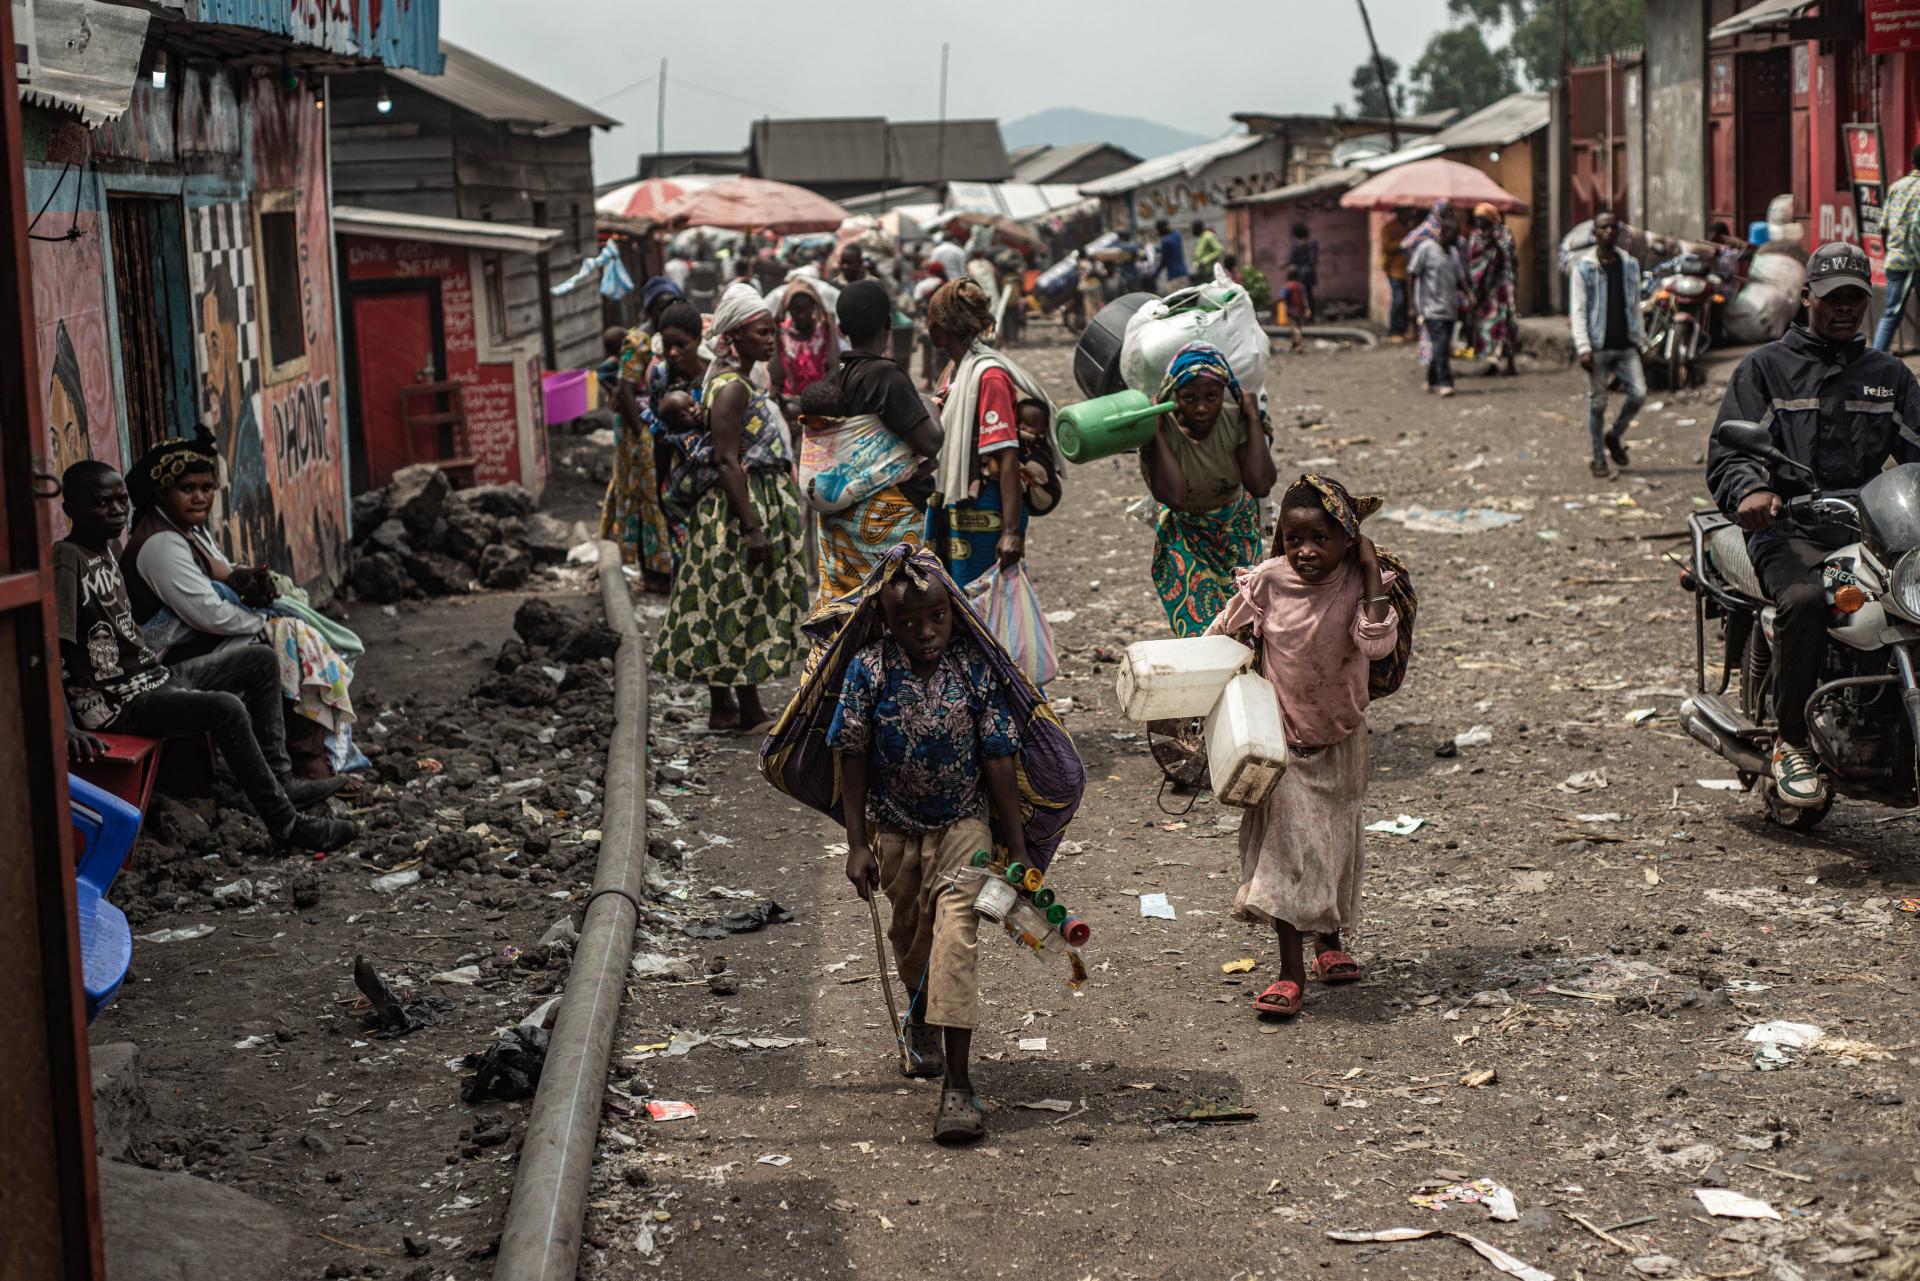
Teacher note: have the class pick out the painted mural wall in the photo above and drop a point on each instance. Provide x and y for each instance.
(280, 436)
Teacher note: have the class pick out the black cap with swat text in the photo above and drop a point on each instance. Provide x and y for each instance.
(1838, 265)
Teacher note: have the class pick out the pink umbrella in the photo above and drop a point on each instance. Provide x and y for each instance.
(754, 204)
(643, 200)
(1424, 181)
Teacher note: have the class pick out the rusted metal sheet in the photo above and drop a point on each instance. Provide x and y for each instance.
(400, 33)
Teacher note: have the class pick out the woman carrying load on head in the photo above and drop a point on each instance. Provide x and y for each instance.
(630, 514)
(741, 590)
(994, 465)
(1210, 463)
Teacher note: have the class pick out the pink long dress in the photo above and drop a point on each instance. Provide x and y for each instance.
(1302, 854)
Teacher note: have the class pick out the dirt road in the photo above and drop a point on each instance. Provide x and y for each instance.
(1559, 983)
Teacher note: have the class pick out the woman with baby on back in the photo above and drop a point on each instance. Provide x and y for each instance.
(1331, 618)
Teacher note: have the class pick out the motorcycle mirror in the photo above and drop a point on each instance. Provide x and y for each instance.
(1744, 437)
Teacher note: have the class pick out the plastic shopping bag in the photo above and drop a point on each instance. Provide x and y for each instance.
(1219, 314)
(1011, 609)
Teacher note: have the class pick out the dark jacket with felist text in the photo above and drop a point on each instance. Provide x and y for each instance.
(1840, 408)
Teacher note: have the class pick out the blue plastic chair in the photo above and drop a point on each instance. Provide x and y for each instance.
(104, 828)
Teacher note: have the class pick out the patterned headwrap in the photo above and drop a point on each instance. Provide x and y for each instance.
(1198, 360)
(960, 307)
(161, 467)
(741, 304)
(1429, 227)
(796, 759)
(1346, 510)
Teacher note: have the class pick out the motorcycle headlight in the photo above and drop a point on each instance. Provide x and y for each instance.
(1903, 590)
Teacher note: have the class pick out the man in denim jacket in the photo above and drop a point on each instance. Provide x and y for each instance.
(1604, 307)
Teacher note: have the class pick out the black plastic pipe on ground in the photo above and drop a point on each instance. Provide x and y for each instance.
(541, 1241)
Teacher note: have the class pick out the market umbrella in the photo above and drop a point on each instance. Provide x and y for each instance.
(1424, 181)
(643, 200)
(754, 204)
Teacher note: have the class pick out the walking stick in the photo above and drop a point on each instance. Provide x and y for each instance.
(886, 986)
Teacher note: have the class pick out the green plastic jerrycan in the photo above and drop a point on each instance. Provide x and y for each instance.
(1107, 425)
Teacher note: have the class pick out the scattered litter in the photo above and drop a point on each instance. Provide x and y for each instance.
(1778, 1038)
(1209, 1112)
(1241, 966)
(670, 1110)
(1047, 1105)
(1058, 616)
(542, 1015)
(1073, 848)
(1454, 520)
(396, 1017)
(1156, 905)
(465, 976)
(394, 881)
(1587, 780)
(776, 1159)
(1496, 1198)
(1405, 825)
(1063, 704)
(1725, 1203)
(1478, 736)
(255, 1041)
(1476, 1079)
(658, 812)
(1654, 1265)
(1721, 784)
(658, 965)
(643, 1240)
(234, 893)
(747, 921)
(1491, 1253)
(509, 1068)
(1037, 1044)
(179, 934)
(1641, 715)
(1608, 817)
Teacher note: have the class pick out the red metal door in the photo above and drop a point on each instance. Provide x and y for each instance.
(395, 346)
(46, 1101)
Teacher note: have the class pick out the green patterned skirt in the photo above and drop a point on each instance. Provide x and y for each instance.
(728, 624)
(1194, 558)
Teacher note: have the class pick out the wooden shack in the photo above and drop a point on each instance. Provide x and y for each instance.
(483, 144)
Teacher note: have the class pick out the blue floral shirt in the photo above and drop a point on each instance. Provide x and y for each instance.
(925, 740)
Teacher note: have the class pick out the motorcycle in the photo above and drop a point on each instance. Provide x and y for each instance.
(1864, 716)
(1677, 315)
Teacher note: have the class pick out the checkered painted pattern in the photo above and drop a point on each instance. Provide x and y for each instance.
(223, 234)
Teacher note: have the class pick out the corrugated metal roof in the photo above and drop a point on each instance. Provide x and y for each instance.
(384, 224)
(1020, 201)
(1043, 163)
(854, 149)
(399, 35)
(1768, 13)
(1504, 123)
(842, 149)
(1189, 161)
(89, 57)
(1327, 180)
(971, 150)
(488, 89)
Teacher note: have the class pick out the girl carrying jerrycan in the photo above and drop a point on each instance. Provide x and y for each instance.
(1332, 619)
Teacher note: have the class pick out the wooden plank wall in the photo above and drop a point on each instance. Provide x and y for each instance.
(428, 157)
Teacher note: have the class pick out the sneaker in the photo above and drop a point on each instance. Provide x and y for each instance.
(1601, 471)
(1796, 777)
(305, 793)
(319, 834)
(1446, 391)
(1617, 450)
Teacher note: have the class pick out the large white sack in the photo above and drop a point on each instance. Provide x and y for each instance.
(1219, 314)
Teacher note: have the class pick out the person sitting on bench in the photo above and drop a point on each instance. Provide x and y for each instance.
(114, 681)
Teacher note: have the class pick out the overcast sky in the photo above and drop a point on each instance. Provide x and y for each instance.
(1184, 64)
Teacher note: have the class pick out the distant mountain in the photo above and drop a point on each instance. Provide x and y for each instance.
(1061, 126)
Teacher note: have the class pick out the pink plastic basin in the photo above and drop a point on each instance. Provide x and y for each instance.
(566, 395)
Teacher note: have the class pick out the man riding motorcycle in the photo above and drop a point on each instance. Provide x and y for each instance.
(1841, 409)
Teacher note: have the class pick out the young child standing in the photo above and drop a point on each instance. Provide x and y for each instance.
(926, 741)
(1320, 615)
(1299, 310)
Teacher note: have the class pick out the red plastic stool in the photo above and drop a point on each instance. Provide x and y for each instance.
(127, 770)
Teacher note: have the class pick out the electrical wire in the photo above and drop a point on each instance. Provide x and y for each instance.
(608, 97)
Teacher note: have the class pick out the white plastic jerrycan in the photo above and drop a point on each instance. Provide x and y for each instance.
(1246, 741)
(1163, 680)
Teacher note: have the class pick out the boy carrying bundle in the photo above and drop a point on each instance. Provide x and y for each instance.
(918, 731)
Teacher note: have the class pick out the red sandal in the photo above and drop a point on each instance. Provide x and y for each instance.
(1282, 997)
(1335, 966)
